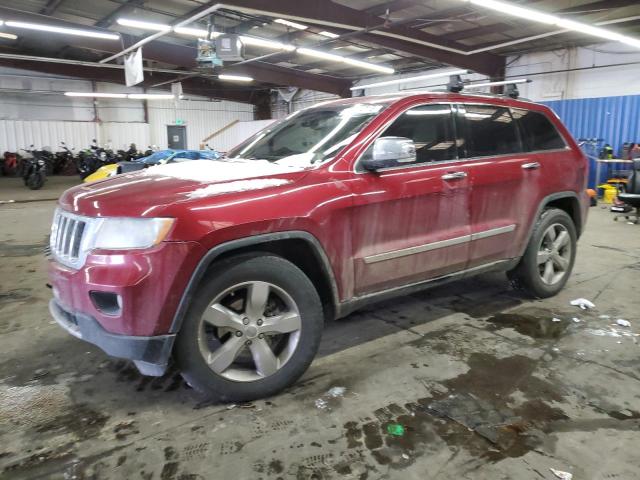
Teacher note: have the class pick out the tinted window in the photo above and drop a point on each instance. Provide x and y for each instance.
(431, 129)
(489, 131)
(538, 131)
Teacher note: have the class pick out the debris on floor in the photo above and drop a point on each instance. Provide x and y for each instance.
(336, 392)
(583, 303)
(332, 398)
(554, 319)
(623, 323)
(576, 319)
(395, 429)
(561, 475)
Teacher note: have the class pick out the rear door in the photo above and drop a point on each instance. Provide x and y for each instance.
(503, 189)
(411, 223)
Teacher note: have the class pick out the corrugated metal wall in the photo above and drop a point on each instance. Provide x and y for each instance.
(614, 119)
(201, 118)
(121, 134)
(237, 134)
(17, 134)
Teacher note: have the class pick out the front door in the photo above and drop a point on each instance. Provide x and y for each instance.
(411, 223)
(177, 137)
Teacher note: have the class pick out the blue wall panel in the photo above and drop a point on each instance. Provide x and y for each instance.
(614, 119)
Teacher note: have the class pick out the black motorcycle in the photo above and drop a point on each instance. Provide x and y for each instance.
(34, 169)
(63, 160)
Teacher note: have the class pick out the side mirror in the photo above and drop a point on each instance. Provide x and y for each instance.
(390, 152)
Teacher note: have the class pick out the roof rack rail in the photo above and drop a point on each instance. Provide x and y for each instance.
(456, 85)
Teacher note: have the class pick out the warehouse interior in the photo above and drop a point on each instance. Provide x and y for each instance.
(482, 375)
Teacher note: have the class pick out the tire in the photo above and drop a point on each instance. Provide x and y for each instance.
(35, 181)
(533, 275)
(289, 290)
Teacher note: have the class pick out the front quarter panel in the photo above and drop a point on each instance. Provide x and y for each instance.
(318, 204)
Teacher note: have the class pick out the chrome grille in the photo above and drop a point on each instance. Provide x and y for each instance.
(68, 235)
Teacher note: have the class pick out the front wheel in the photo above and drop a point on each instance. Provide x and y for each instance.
(35, 181)
(548, 260)
(252, 330)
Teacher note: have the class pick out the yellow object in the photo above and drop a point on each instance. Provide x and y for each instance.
(609, 193)
(102, 173)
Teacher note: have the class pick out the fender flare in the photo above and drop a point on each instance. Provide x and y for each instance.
(546, 201)
(218, 250)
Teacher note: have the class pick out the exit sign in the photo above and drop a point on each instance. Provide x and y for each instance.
(179, 121)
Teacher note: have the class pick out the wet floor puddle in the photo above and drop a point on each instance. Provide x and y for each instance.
(534, 323)
(476, 411)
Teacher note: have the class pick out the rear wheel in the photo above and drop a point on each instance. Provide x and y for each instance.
(252, 330)
(548, 260)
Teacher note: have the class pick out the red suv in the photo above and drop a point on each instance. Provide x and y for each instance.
(231, 267)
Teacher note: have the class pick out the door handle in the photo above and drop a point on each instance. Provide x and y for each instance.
(454, 176)
(531, 166)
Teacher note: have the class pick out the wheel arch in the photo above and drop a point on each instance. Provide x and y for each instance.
(568, 202)
(301, 248)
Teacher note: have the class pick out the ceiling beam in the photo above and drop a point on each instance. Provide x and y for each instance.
(125, 7)
(192, 86)
(582, 9)
(184, 56)
(50, 7)
(392, 6)
(327, 13)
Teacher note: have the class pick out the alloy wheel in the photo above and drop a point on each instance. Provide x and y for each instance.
(554, 254)
(249, 331)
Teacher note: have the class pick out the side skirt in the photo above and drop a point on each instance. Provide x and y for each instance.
(356, 303)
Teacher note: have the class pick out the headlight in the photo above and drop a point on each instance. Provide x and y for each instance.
(127, 233)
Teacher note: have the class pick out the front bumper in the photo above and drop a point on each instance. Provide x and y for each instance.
(150, 354)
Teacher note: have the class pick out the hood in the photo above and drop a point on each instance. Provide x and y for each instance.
(154, 190)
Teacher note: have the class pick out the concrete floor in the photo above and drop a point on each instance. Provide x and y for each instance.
(484, 383)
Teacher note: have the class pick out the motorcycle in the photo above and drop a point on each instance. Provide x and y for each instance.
(63, 161)
(34, 168)
(10, 164)
(93, 158)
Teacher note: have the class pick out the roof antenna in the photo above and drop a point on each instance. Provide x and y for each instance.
(455, 84)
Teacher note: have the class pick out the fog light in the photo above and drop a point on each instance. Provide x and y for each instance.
(107, 302)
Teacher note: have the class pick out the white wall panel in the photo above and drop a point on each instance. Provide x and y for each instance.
(237, 134)
(18, 134)
(119, 135)
(588, 83)
(201, 118)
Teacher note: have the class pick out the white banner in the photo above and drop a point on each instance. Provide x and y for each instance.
(133, 72)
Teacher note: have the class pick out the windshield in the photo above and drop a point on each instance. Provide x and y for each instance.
(308, 136)
(157, 156)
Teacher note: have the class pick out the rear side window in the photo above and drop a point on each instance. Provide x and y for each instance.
(537, 131)
(489, 130)
(431, 129)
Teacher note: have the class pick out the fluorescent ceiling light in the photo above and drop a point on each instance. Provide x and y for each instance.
(10, 36)
(324, 33)
(95, 95)
(411, 79)
(68, 31)
(235, 78)
(132, 96)
(288, 23)
(339, 59)
(262, 42)
(158, 27)
(151, 96)
(195, 32)
(496, 84)
(541, 17)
